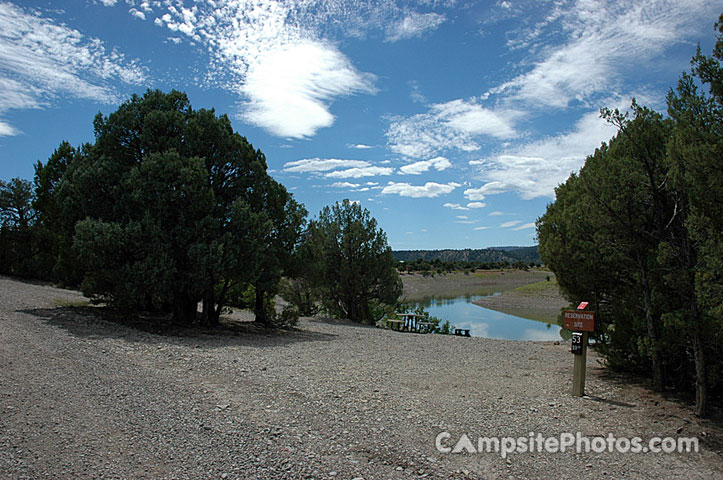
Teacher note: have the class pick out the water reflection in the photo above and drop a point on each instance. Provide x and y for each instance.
(483, 322)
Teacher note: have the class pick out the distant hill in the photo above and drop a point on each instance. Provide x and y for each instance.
(493, 254)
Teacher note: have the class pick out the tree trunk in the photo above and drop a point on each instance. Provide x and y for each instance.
(184, 310)
(701, 383)
(653, 334)
(259, 307)
(210, 316)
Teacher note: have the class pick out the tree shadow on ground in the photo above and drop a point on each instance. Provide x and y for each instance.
(104, 322)
(338, 322)
(712, 425)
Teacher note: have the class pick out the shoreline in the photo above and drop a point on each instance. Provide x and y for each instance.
(525, 294)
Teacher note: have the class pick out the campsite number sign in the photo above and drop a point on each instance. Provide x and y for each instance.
(576, 346)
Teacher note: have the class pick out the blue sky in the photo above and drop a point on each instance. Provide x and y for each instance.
(451, 121)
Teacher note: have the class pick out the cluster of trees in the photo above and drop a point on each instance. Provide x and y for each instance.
(170, 208)
(346, 266)
(440, 267)
(639, 233)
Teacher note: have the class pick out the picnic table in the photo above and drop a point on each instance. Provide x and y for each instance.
(462, 332)
(412, 322)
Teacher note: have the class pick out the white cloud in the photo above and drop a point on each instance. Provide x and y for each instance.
(535, 169)
(345, 185)
(359, 146)
(7, 130)
(358, 172)
(341, 168)
(490, 188)
(413, 25)
(454, 125)
(510, 224)
(525, 226)
(496, 213)
(462, 217)
(428, 190)
(416, 94)
(455, 206)
(601, 40)
(416, 168)
(41, 61)
(313, 165)
(281, 56)
(481, 228)
(289, 88)
(137, 13)
(109, 3)
(476, 205)
(146, 5)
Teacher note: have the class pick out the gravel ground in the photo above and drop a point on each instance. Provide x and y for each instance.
(82, 397)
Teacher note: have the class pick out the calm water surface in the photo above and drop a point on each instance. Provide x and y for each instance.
(483, 322)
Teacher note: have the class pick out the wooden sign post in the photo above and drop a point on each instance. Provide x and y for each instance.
(581, 323)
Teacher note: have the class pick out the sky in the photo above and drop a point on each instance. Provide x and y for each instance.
(451, 121)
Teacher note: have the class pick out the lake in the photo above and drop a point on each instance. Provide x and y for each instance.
(483, 322)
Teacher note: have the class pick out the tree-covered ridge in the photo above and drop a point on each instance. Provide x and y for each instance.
(485, 255)
(638, 232)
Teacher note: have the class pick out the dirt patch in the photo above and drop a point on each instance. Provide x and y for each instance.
(540, 301)
(483, 282)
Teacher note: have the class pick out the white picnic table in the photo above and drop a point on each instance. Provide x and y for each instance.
(413, 322)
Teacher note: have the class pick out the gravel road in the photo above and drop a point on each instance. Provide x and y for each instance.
(83, 397)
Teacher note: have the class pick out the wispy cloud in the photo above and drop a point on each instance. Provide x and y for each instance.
(413, 25)
(600, 40)
(416, 94)
(428, 190)
(450, 126)
(536, 168)
(359, 146)
(509, 224)
(525, 226)
(41, 60)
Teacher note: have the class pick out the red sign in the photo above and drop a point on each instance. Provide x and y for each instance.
(578, 320)
(583, 305)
